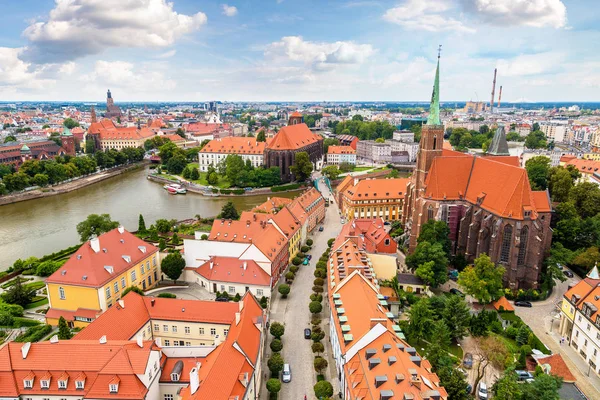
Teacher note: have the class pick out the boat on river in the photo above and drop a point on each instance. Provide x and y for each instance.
(175, 188)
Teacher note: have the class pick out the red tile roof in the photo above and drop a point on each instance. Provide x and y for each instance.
(503, 302)
(234, 145)
(293, 137)
(584, 166)
(340, 150)
(107, 130)
(378, 189)
(367, 233)
(558, 366)
(204, 128)
(232, 269)
(272, 204)
(87, 267)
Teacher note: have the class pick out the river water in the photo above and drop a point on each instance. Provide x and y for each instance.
(43, 226)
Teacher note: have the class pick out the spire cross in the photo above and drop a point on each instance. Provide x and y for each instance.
(439, 51)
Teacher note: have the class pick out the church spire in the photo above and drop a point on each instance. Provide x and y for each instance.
(434, 107)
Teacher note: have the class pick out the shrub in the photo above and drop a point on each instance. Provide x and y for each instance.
(317, 329)
(511, 332)
(237, 297)
(283, 188)
(317, 347)
(290, 276)
(273, 385)
(34, 334)
(167, 295)
(296, 260)
(318, 282)
(318, 289)
(276, 345)
(525, 349)
(6, 319)
(317, 337)
(264, 302)
(294, 268)
(275, 363)
(304, 249)
(316, 297)
(319, 273)
(315, 307)
(277, 329)
(284, 290)
(330, 242)
(309, 242)
(320, 364)
(315, 321)
(323, 389)
(301, 255)
(496, 327)
(322, 264)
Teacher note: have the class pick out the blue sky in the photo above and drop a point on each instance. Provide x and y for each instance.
(298, 50)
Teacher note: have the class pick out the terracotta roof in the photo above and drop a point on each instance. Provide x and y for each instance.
(204, 128)
(295, 114)
(378, 189)
(234, 145)
(557, 365)
(584, 166)
(107, 130)
(272, 204)
(89, 268)
(503, 302)
(173, 138)
(368, 233)
(122, 323)
(286, 222)
(293, 137)
(340, 150)
(70, 315)
(232, 269)
(510, 160)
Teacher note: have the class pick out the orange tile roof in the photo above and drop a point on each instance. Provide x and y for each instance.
(87, 268)
(286, 222)
(293, 137)
(367, 232)
(499, 187)
(584, 166)
(272, 204)
(54, 313)
(107, 130)
(234, 145)
(510, 160)
(173, 138)
(558, 366)
(122, 323)
(295, 114)
(503, 302)
(340, 150)
(204, 127)
(378, 189)
(232, 269)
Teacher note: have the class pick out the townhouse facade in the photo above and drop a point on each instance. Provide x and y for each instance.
(217, 150)
(341, 154)
(94, 277)
(374, 198)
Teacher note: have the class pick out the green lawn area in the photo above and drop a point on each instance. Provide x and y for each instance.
(454, 349)
(223, 183)
(38, 303)
(510, 344)
(360, 169)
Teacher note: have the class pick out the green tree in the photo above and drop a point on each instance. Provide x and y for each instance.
(346, 166)
(427, 252)
(329, 142)
(436, 232)
(331, 171)
(162, 244)
(15, 181)
(276, 345)
(323, 390)
(10, 138)
(64, 333)
(261, 137)
(284, 290)
(175, 239)
(176, 164)
(538, 169)
(141, 224)
(586, 199)
(275, 363)
(393, 174)
(180, 132)
(169, 150)
(70, 123)
(456, 315)
(18, 294)
(523, 335)
(172, 265)
(426, 273)
(47, 268)
(315, 307)
(507, 387)
(380, 140)
(536, 140)
(543, 387)
(317, 347)
(302, 167)
(95, 224)
(483, 280)
(234, 165)
(212, 178)
(420, 318)
(229, 211)
(277, 329)
(453, 381)
(195, 174)
(273, 385)
(163, 225)
(319, 364)
(559, 184)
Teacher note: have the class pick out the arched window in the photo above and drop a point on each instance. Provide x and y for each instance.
(434, 141)
(61, 293)
(429, 213)
(506, 239)
(523, 245)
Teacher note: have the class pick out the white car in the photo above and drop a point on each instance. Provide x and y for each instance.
(287, 373)
(482, 391)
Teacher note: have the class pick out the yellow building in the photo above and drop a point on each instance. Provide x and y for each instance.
(374, 198)
(92, 280)
(291, 227)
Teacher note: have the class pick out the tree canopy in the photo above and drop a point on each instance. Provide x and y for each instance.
(483, 280)
(172, 265)
(302, 167)
(228, 211)
(434, 254)
(538, 169)
(96, 225)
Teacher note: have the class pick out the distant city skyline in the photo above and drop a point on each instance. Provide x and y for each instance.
(287, 50)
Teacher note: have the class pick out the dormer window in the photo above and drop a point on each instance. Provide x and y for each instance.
(79, 384)
(45, 383)
(28, 383)
(175, 377)
(113, 387)
(62, 384)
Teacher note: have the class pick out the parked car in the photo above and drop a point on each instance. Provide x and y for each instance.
(469, 388)
(468, 361)
(453, 275)
(568, 273)
(307, 333)
(523, 376)
(287, 373)
(462, 371)
(482, 391)
(522, 303)
(457, 292)
(305, 262)
(321, 229)
(309, 257)
(222, 299)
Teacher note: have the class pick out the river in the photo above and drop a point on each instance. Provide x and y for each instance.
(46, 225)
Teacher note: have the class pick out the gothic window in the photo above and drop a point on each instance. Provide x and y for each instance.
(434, 141)
(523, 245)
(429, 213)
(505, 249)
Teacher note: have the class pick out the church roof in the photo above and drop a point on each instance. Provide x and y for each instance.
(66, 132)
(498, 187)
(293, 137)
(499, 146)
(434, 108)
(25, 148)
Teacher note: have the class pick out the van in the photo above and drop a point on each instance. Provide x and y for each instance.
(482, 392)
(287, 373)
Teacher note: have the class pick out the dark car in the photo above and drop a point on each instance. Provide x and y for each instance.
(320, 229)
(568, 273)
(222, 299)
(307, 333)
(457, 292)
(523, 375)
(468, 360)
(523, 304)
(309, 257)
(469, 388)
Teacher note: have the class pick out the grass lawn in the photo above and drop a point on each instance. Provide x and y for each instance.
(360, 169)
(223, 183)
(454, 349)
(510, 344)
(38, 303)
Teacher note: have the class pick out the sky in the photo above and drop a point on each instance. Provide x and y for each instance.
(298, 50)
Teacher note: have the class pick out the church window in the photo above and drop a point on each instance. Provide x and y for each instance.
(434, 141)
(429, 213)
(505, 249)
(523, 245)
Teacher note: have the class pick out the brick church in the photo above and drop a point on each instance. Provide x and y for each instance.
(291, 139)
(486, 200)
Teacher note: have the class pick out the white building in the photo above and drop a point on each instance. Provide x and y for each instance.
(218, 149)
(404, 136)
(410, 147)
(340, 154)
(554, 132)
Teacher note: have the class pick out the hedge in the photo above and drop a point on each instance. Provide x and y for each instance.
(34, 334)
(283, 188)
(21, 322)
(233, 191)
(167, 295)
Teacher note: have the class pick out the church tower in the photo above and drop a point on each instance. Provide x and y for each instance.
(93, 112)
(109, 100)
(430, 147)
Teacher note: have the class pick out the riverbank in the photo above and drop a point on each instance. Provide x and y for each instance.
(213, 192)
(70, 186)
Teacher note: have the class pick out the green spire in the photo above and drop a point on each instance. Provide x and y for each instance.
(434, 107)
(66, 132)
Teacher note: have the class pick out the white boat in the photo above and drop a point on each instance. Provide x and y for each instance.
(174, 188)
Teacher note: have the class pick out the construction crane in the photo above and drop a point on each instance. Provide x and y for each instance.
(493, 91)
(500, 96)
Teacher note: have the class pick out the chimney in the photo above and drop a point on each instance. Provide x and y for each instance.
(121, 303)
(245, 265)
(152, 301)
(121, 229)
(25, 349)
(194, 379)
(54, 339)
(102, 339)
(95, 244)
(240, 306)
(210, 265)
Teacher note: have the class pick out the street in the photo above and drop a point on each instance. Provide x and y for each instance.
(293, 313)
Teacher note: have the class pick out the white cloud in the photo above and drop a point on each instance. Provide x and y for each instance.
(17, 74)
(67, 68)
(167, 54)
(428, 15)
(536, 13)
(229, 11)
(127, 76)
(77, 28)
(318, 55)
(529, 64)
